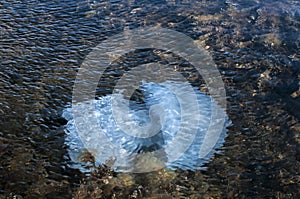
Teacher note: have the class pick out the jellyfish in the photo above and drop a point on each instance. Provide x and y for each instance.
(145, 131)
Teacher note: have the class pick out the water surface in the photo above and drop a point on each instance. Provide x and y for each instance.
(254, 44)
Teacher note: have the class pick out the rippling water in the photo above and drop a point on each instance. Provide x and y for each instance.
(255, 45)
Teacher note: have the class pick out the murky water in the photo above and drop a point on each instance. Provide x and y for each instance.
(255, 45)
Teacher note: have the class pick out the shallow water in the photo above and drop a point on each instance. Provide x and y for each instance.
(254, 44)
